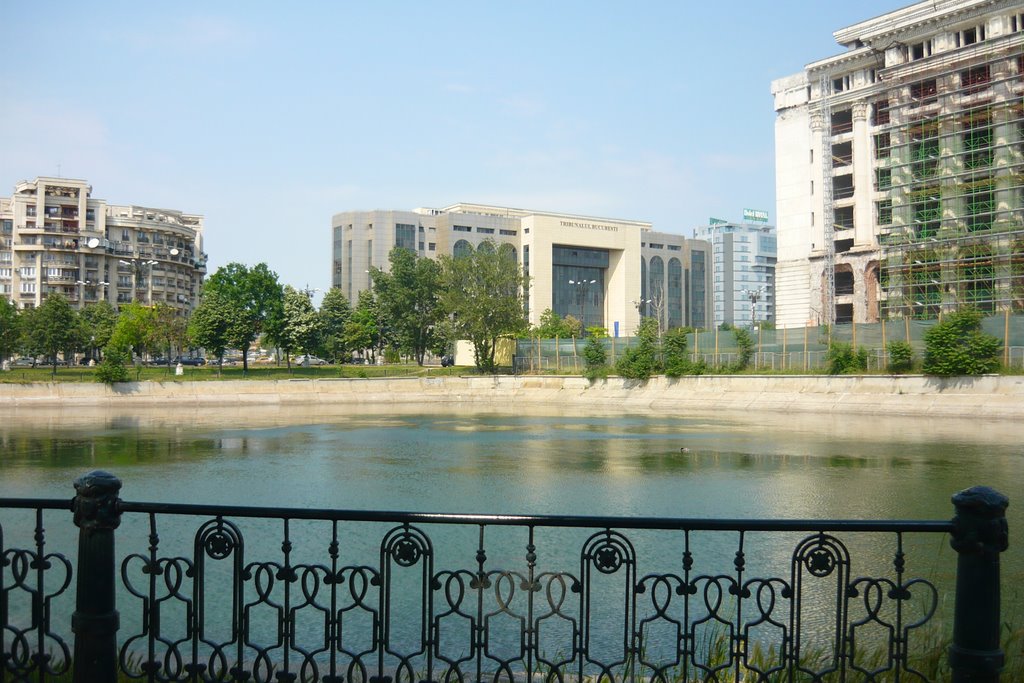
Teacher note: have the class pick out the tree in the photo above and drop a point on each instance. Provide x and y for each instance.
(957, 346)
(299, 324)
(553, 325)
(10, 330)
(257, 297)
(362, 330)
(677, 360)
(51, 328)
(212, 322)
(334, 312)
(171, 330)
(483, 292)
(135, 331)
(98, 323)
(409, 300)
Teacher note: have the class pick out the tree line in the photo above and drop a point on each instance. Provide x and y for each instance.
(418, 306)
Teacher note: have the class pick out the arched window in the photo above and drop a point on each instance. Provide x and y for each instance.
(487, 247)
(462, 248)
(509, 250)
(657, 278)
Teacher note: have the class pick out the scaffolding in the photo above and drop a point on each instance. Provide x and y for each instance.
(948, 143)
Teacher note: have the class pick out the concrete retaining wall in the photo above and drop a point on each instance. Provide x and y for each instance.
(989, 397)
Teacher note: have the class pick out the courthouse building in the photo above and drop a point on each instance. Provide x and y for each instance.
(56, 238)
(900, 168)
(607, 272)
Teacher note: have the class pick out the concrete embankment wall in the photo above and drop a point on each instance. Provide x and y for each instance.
(989, 397)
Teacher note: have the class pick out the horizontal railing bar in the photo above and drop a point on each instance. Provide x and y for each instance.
(931, 526)
(575, 521)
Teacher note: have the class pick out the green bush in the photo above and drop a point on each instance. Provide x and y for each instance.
(901, 357)
(637, 363)
(594, 353)
(677, 358)
(844, 359)
(745, 342)
(957, 346)
(112, 368)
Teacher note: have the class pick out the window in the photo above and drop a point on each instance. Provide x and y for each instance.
(880, 113)
(508, 233)
(842, 83)
(432, 246)
(405, 236)
(969, 36)
(485, 231)
(883, 145)
(421, 246)
(125, 234)
(883, 178)
(27, 271)
(975, 79)
(656, 246)
(923, 92)
(921, 50)
(674, 247)
(462, 228)
(883, 212)
(28, 288)
(842, 122)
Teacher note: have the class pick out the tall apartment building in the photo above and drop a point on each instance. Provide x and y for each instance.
(56, 238)
(606, 271)
(900, 168)
(744, 271)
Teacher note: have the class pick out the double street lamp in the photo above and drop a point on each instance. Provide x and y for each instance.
(137, 266)
(582, 287)
(754, 295)
(89, 283)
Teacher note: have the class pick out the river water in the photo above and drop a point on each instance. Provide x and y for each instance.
(533, 461)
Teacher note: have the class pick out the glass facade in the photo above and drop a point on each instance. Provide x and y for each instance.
(405, 236)
(577, 283)
(675, 293)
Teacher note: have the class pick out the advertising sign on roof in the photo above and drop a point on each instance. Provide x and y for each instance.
(716, 221)
(755, 215)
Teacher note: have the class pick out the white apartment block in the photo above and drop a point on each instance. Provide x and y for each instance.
(900, 168)
(56, 238)
(606, 271)
(744, 271)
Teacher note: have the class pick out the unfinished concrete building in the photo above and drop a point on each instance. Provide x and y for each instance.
(900, 168)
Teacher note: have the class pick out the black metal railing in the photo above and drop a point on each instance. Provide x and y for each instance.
(374, 597)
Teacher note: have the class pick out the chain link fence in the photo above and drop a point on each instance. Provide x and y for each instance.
(802, 349)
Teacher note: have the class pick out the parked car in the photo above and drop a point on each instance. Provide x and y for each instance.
(159, 360)
(189, 361)
(306, 360)
(23, 362)
(447, 361)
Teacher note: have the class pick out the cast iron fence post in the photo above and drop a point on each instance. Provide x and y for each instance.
(979, 534)
(95, 620)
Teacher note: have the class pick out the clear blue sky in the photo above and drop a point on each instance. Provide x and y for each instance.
(268, 117)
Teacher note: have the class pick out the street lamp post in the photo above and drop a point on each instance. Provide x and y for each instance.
(583, 286)
(137, 267)
(754, 295)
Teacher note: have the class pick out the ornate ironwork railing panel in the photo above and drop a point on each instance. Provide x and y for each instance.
(227, 593)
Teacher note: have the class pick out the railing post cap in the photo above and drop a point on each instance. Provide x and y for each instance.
(97, 482)
(981, 500)
(95, 503)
